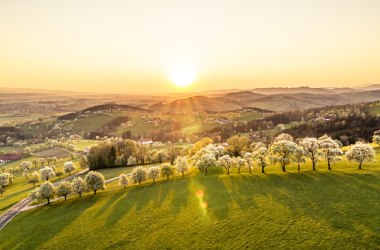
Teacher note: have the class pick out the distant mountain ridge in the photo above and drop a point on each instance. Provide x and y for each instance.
(270, 99)
(274, 102)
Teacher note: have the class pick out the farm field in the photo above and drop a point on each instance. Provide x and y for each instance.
(310, 209)
(55, 151)
(13, 118)
(375, 108)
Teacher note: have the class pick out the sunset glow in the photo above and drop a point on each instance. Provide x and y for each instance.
(182, 76)
(128, 46)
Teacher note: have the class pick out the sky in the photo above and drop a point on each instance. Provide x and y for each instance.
(133, 46)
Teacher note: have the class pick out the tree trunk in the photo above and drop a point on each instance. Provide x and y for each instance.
(250, 170)
(65, 197)
(360, 165)
(94, 191)
(48, 199)
(283, 168)
(299, 168)
(262, 169)
(329, 165)
(238, 170)
(313, 165)
(183, 174)
(167, 177)
(80, 194)
(228, 171)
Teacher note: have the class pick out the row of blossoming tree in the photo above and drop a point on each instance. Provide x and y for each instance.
(205, 155)
(94, 181)
(283, 151)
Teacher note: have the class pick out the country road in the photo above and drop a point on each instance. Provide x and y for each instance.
(13, 211)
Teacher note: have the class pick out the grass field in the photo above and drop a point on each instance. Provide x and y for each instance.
(311, 209)
(375, 108)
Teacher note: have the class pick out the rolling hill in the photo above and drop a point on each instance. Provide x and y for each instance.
(275, 102)
(198, 103)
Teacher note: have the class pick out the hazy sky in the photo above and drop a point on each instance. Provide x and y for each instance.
(132, 46)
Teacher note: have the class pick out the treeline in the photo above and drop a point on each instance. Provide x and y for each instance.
(10, 133)
(119, 152)
(304, 122)
(112, 125)
(102, 107)
(347, 130)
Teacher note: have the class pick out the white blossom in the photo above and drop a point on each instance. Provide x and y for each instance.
(139, 175)
(131, 161)
(226, 162)
(205, 162)
(47, 173)
(283, 137)
(299, 157)
(123, 180)
(167, 170)
(6, 179)
(311, 146)
(46, 191)
(360, 153)
(94, 181)
(181, 165)
(240, 163)
(69, 167)
(25, 165)
(259, 155)
(79, 186)
(154, 173)
(282, 152)
(64, 188)
(330, 150)
(248, 157)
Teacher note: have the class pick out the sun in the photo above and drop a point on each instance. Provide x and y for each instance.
(182, 76)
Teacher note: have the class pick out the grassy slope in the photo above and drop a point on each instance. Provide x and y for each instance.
(320, 209)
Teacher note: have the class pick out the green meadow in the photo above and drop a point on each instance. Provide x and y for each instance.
(308, 209)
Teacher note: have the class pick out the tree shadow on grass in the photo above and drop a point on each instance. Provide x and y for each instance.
(217, 198)
(339, 200)
(40, 229)
(111, 200)
(151, 196)
(347, 203)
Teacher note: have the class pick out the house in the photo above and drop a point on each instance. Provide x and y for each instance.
(146, 141)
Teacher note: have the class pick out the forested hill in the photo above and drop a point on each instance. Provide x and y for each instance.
(101, 108)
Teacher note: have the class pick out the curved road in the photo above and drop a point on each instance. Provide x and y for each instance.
(13, 211)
